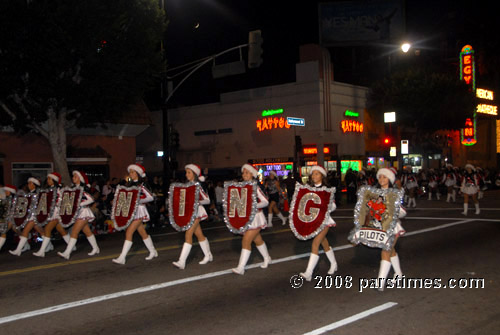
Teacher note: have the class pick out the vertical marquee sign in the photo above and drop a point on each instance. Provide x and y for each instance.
(468, 74)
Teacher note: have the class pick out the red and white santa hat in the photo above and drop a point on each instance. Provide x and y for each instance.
(10, 188)
(141, 170)
(34, 181)
(470, 166)
(82, 176)
(318, 168)
(250, 169)
(393, 169)
(55, 177)
(388, 173)
(196, 169)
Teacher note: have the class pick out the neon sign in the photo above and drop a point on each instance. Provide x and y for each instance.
(468, 134)
(484, 94)
(351, 126)
(487, 109)
(271, 112)
(467, 66)
(314, 151)
(269, 123)
(351, 113)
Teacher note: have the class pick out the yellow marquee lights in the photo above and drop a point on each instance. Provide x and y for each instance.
(487, 109)
(484, 94)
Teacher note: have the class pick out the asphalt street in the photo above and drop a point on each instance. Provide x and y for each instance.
(450, 261)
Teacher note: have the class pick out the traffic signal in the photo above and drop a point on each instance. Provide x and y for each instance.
(387, 141)
(254, 49)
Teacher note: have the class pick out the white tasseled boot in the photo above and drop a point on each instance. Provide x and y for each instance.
(478, 211)
(269, 220)
(383, 271)
(283, 219)
(93, 243)
(448, 197)
(466, 207)
(125, 249)
(396, 266)
(152, 251)
(313, 260)
(45, 243)
(186, 249)
(66, 239)
(205, 247)
(69, 248)
(333, 261)
(430, 196)
(265, 254)
(22, 241)
(2, 242)
(245, 255)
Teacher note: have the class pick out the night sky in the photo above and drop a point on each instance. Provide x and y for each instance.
(200, 28)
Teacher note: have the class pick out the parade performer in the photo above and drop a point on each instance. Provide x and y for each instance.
(469, 188)
(433, 185)
(450, 180)
(33, 185)
(317, 181)
(53, 181)
(193, 174)
(84, 217)
(10, 192)
(252, 232)
(381, 231)
(272, 186)
(137, 173)
(411, 185)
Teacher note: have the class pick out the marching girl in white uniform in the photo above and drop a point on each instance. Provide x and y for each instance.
(433, 185)
(318, 179)
(10, 191)
(470, 188)
(136, 173)
(53, 180)
(193, 174)
(450, 180)
(33, 184)
(386, 179)
(411, 186)
(84, 217)
(252, 234)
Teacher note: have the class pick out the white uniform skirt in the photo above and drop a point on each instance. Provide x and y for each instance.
(470, 190)
(202, 213)
(399, 230)
(450, 182)
(411, 184)
(86, 214)
(259, 221)
(142, 214)
(331, 223)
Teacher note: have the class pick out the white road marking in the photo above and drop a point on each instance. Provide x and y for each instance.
(149, 288)
(352, 319)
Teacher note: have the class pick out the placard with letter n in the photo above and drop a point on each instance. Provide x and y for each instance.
(240, 205)
(125, 204)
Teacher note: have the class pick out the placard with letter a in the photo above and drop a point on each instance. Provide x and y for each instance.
(240, 205)
(310, 210)
(125, 204)
(375, 217)
(69, 205)
(183, 202)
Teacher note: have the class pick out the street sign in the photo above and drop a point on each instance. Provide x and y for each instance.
(295, 121)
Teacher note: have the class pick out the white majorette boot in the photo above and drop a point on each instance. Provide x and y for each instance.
(22, 241)
(313, 260)
(478, 211)
(430, 196)
(454, 196)
(244, 256)
(383, 271)
(466, 207)
(69, 248)
(396, 266)
(333, 261)
(2, 242)
(152, 251)
(45, 243)
(186, 249)
(283, 219)
(49, 247)
(66, 239)
(205, 247)
(448, 197)
(265, 254)
(269, 220)
(93, 243)
(438, 195)
(125, 249)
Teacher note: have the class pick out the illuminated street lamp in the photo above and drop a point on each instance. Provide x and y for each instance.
(405, 47)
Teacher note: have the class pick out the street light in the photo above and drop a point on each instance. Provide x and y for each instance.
(405, 47)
